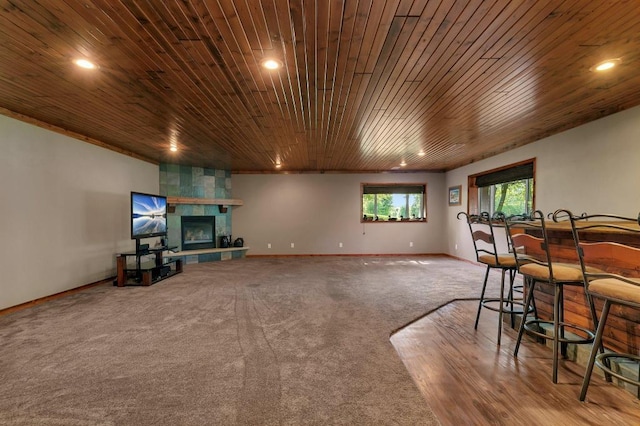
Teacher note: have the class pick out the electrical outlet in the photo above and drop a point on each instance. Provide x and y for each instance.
(410, 243)
(293, 245)
(268, 245)
(339, 244)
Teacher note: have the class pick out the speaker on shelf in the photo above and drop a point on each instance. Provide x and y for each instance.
(164, 271)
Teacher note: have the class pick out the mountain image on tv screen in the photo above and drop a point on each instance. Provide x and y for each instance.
(148, 215)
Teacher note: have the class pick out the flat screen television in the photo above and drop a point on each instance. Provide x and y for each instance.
(148, 215)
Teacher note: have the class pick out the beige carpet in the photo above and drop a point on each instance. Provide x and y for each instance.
(254, 341)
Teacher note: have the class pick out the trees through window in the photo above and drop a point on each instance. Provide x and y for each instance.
(393, 202)
(509, 190)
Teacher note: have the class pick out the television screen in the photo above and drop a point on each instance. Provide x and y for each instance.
(148, 215)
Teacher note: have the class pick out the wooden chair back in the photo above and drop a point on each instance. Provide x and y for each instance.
(608, 246)
(481, 228)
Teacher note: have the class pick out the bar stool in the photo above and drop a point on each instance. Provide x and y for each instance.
(613, 287)
(482, 232)
(528, 236)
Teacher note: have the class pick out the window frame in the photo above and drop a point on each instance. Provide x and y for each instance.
(473, 198)
(395, 185)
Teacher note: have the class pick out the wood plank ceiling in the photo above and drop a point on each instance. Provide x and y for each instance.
(365, 84)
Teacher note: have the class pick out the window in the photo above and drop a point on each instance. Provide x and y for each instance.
(394, 202)
(509, 190)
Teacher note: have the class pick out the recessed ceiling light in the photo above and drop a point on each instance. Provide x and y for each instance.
(83, 63)
(173, 148)
(606, 65)
(271, 64)
(278, 165)
(403, 164)
(421, 154)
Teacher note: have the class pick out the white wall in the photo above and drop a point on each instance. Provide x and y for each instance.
(64, 210)
(592, 168)
(318, 211)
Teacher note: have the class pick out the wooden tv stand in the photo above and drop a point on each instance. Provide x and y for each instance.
(148, 272)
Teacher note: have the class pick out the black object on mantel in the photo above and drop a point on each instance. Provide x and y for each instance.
(225, 241)
(239, 242)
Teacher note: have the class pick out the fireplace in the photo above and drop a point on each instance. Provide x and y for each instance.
(198, 232)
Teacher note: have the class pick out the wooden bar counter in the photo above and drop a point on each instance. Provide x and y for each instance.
(622, 333)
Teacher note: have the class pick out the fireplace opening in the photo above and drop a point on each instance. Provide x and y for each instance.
(198, 232)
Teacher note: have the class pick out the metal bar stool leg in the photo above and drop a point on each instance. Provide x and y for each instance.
(512, 277)
(533, 305)
(594, 317)
(594, 349)
(525, 291)
(525, 313)
(557, 308)
(563, 344)
(501, 302)
(484, 288)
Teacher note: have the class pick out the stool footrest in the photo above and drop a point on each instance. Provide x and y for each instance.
(601, 361)
(517, 302)
(528, 325)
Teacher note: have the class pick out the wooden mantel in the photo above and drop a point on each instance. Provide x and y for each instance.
(218, 201)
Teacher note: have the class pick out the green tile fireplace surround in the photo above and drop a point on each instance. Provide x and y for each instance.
(203, 186)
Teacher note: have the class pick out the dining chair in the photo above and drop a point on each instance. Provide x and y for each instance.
(482, 228)
(539, 264)
(610, 265)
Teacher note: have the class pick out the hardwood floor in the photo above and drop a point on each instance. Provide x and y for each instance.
(467, 379)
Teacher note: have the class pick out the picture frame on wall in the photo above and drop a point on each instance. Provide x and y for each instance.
(455, 195)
